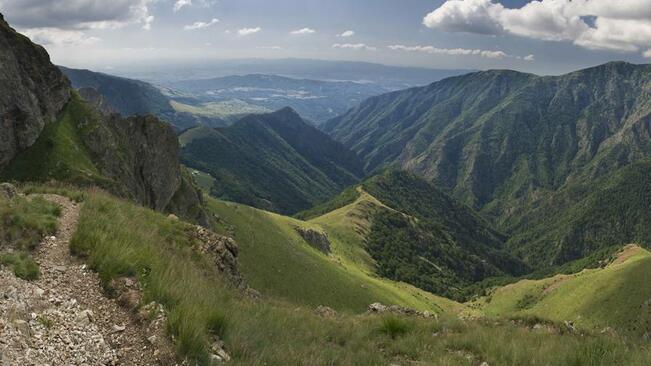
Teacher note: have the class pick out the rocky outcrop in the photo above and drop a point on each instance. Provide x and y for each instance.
(137, 157)
(32, 92)
(221, 250)
(97, 100)
(316, 239)
(141, 156)
(378, 308)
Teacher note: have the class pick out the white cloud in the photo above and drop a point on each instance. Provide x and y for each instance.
(248, 31)
(201, 25)
(623, 25)
(354, 46)
(76, 14)
(180, 4)
(147, 22)
(529, 58)
(60, 37)
(458, 52)
(472, 16)
(347, 34)
(647, 53)
(303, 31)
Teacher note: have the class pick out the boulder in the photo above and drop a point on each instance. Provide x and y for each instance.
(221, 250)
(314, 238)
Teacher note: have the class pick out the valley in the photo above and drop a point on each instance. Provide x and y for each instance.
(305, 212)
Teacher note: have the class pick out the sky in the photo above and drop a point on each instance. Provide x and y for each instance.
(542, 36)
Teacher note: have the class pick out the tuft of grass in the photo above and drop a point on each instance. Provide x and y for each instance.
(22, 264)
(53, 187)
(45, 321)
(395, 327)
(23, 223)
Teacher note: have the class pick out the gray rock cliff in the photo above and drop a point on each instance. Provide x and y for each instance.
(32, 92)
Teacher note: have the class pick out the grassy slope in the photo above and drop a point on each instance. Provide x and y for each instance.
(23, 223)
(279, 263)
(615, 296)
(59, 153)
(119, 238)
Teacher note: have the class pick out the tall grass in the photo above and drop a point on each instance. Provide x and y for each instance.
(120, 239)
(23, 223)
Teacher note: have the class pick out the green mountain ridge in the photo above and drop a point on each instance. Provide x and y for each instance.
(273, 161)
(505, 142)
(417, 234)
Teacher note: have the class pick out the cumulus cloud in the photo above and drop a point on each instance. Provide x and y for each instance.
(473, 16)
(76, 14)
(347, 34)
(201, 25)
(303, 31)
(180, 4)
(248, 31)
(354, 46)
(60, 37)
(458, 52)
(623, 25)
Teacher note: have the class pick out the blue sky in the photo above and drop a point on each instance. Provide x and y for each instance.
(548, 37)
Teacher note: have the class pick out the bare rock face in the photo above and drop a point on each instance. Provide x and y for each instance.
(32, 92)
(315, 238)
(142, 154)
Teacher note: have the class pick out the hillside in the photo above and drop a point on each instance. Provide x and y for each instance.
(273, 161)
(279, 262)
(504, 142)
(403, 228)
(315, 100)
(179, 288)
(134, 97)
(616, 296)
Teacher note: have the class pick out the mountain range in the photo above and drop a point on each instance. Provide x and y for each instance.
(392, 77)
(315, 100)
(275, 161)
(491, 218)
(516, 147)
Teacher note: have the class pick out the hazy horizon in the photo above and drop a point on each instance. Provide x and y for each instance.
(543, 37)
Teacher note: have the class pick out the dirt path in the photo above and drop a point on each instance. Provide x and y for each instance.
(63, 318)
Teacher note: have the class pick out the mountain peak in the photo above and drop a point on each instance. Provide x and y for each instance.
(286, 111)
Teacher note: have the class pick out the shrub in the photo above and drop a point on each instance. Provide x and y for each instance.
(394, 326)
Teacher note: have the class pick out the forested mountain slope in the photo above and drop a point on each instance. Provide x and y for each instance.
(504, 142)
(274, 161)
